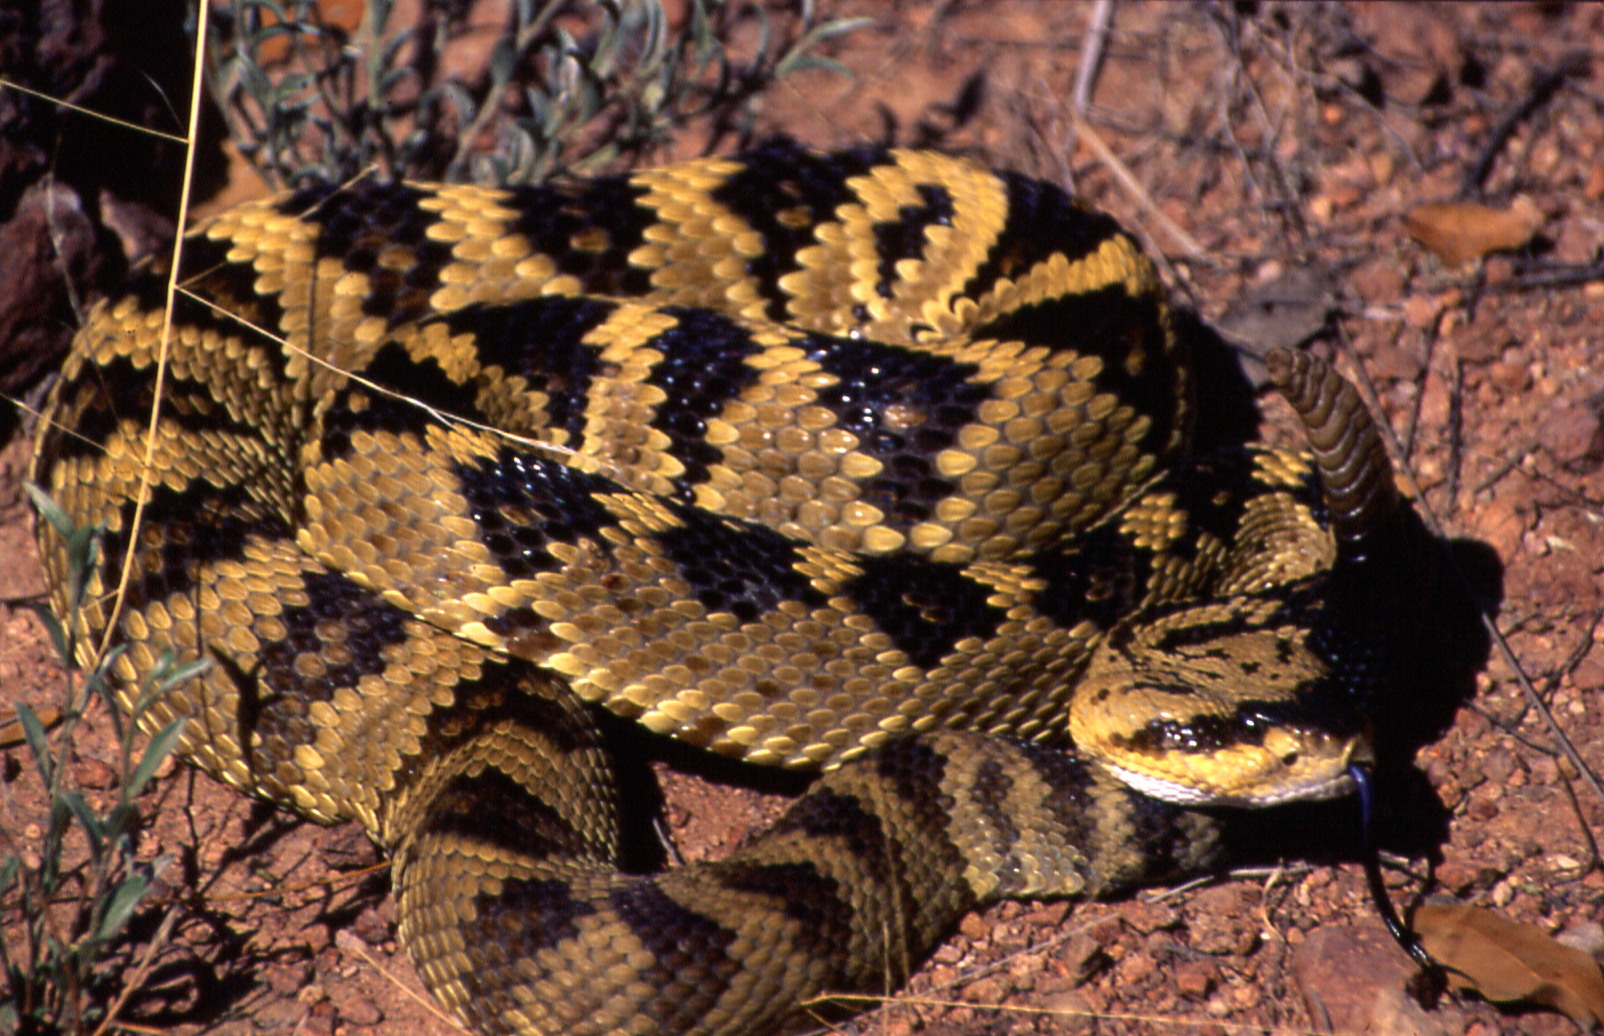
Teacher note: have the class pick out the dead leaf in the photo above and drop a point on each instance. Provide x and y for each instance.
(1506, 962)
(1284, 312)
(1461, 231)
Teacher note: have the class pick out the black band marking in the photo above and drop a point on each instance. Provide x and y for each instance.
(925, 607)
(359, 221)
(784, 191)
(904, 237)
(878, 379)
(411, 382)
(703, 367)
(542, 341)
(1042, 221)
(558, 218)
(743, 569)
(523, 503)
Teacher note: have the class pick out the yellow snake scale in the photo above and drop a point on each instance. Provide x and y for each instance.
(855, 461)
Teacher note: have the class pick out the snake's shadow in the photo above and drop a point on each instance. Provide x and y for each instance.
(1434, 664)
(633, 749)
(1435, 675)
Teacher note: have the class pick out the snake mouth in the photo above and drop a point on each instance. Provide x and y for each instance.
(1285, 765)
(1181, 793)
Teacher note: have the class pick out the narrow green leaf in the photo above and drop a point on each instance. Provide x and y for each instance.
(390, 56)
(540, 110)
(105, 662)
(49, 510)
(804, 62)
(254, 80)
(503, 56)
(88, 819)
(831, 29)
(159, 748)
(60, 822)
(462, 101)
(656, 35)
(121, 905)
(702, 31)
(169, 675)
(33, 732)
(83, 553)
(58, 635)
(294, 83)
(394, 78)
(381, 13)
(566, 44)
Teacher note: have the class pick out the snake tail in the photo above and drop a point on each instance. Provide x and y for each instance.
(1354, 467)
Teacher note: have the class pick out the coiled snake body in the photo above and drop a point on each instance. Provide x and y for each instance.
(874, 461)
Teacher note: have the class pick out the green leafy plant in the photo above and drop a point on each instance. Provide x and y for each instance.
(565, 86)
(76, 895)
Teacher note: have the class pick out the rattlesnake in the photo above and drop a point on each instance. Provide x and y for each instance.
(875, 462)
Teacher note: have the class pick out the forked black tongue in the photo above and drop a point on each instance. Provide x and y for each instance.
(1360, 772)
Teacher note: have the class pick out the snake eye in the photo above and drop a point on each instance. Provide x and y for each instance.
(1289, 759)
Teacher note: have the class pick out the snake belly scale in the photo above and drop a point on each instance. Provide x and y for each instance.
(861, 462)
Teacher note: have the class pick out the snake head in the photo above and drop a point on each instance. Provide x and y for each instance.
(1220, 704)
(1259, 700)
